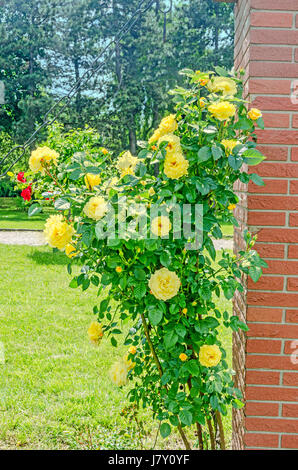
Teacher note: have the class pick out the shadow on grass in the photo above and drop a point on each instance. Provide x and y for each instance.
(40, 257)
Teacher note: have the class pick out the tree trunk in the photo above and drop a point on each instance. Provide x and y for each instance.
(132, 140)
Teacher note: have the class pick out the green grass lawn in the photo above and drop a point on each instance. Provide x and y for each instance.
(13, 216)
(55, 392)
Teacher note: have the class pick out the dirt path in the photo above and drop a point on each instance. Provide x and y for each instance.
(36, 238)
(22, 237)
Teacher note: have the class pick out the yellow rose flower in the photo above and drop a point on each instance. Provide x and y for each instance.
(231, 207)
(183, 357)
(70, 250)
(254, 114)
(118, 374)
(126, 164)
(42, 156)
(161, 226)
(168, 125)
(128, 362)
(156, 135)
(209, 355)
(164, 284)
(96, 208)
(95, 332)
(173, 145)
(132, 350)
(222, 110)
(223, 84)
(92, 180)
(58, 233)
(176, 166)
(229, 145)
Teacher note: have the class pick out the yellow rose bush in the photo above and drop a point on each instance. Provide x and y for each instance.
(151, 273)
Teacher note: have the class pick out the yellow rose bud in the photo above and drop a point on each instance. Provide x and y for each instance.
(194, 303)
(151, 192)
(118, 269)
(184, 311)
(231, 207)
(183, 357)
(202, 102)
(254, 114)
(92, 180)
(132, 350)
(104, 150)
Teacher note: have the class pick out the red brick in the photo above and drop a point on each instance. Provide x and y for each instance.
(292, 284)
(274, 152)
(280, 236)
(293, 251)
(292, 316)
(271, 425)
(262, 377)
(276, 120)
(270, 36)
(266, 218)
(273, 69)
(296, 50)
(261, 314)
(289, 442)
(259, 330)
(271, 393)
(279, 170)
(274, 299)
(280, 54)
(294, 156)
(261, 409)
(295, 121)
(293, 220)
(263, 346)
(290, 411)
(267, 283)
(269, 87)
(274, 20)
(291, 347)
(290, 379)
(281, 267)
(270, 362)
(274, 103)
(271, 136)
(273, 202)
(271, 187)
(294, 186)
(283, 5)
(261, 440)
(270, 251)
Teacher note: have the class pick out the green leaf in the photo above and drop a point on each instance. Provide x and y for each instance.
(255, 273)
(155, 316)
(235, 162)
(165, 259)
(165, 430)
(260, 123)
(140, 291)
(170, 339)
(216, 152)
(257, 179)
(253, 157)
(238, 404)
(244, 123)
(204, 154)
(185, 417)
(62, 204)
(76, 174)
(34, 209)
(140, 274)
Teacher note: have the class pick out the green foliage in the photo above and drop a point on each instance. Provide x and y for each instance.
(176, 320)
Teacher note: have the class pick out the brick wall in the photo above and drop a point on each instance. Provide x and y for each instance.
(266, 46)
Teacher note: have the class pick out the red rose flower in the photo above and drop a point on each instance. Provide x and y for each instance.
(26, 193)
(20, 177)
